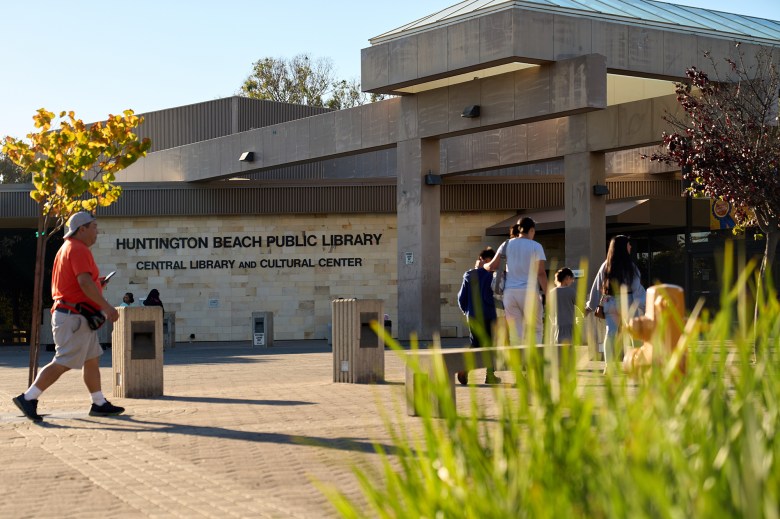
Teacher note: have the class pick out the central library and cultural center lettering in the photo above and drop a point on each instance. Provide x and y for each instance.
(247, 243)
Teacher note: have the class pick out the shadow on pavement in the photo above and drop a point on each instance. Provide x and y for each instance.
(130, 424)
(215, 400)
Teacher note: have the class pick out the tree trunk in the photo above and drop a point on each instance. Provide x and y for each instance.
(772, 238)
(37, 305)
(772, 233)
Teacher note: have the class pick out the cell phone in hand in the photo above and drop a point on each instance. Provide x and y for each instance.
(108, 276)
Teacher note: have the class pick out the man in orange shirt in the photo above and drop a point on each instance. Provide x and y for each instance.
(75, 281)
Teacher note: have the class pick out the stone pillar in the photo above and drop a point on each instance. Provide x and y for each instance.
(586, 222)
(419, 287)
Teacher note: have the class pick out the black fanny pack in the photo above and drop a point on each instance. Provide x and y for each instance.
(95, 318)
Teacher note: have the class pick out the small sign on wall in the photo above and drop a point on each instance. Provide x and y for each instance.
(408, 258)
(259, 339)
(213, 303)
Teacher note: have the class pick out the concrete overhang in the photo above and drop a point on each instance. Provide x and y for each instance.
(652, 213)
(620, 88)
(494, 35)
(551, 91)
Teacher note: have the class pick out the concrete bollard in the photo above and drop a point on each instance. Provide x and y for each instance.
(660, 329)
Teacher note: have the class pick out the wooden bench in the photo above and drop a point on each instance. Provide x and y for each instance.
(418, 382)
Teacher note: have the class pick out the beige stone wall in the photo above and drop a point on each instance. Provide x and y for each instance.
(216, 303)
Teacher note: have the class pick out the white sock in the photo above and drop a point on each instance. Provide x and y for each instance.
(32, 393)
(98, 398)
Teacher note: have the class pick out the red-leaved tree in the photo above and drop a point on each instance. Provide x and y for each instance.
(726, 139)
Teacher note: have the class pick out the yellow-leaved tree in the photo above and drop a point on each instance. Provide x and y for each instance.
(73, 167)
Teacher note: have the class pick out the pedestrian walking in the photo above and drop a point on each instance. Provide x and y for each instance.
(525, 276)
(565, 297)
(617, 275)
(475, 300)
(79, 305)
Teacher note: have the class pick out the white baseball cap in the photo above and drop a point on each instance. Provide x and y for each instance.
(76, 221)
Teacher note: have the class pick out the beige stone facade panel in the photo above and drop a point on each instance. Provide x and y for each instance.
(496, 36)
(403, 59)
(275, 141)
(497, 99)
(456, 154)
(662, 106)
(401, 127)
(532, 92)
(513, 144)
(645, 50)
(348, 129)
(170, 163)
(680, 53)
(322, 136)
(216, 304)
(459, 97)
(572, 37)
(610, 40)
(297, 144)
(433, 112)
(463, 45)
(717, 48)
(533, 38)
(486, 150)
(635, 121)
(542, 140)
(374, 124)
(749, 53)
(143, 170)
(571, 135)
(432, 52)
(374, 66)
(578, 83)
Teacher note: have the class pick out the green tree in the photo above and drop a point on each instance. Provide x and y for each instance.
(73, 168)
(303, 80)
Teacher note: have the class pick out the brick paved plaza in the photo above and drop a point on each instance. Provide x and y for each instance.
(240, 432)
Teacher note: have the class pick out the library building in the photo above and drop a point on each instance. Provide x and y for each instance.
(497, 110)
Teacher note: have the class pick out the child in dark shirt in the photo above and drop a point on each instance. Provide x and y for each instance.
(475, 300)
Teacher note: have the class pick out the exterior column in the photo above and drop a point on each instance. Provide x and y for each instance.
(419, 286)
(586, 222)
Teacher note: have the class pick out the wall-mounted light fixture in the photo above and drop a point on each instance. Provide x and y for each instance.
(600, 190)
(433, 180)
(247, 156)
(470, 112)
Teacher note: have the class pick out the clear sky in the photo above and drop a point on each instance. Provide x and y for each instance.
(100, 57)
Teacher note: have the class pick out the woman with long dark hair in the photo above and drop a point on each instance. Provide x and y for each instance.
(616, 276)
(153, 299)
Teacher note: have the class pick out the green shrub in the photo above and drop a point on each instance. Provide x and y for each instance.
(700, 445)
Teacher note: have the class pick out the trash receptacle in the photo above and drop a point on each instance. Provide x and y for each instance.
(137, 358)
(358, 352)
(388, 327)
(106, 334)
(169, 330)
(263, 329)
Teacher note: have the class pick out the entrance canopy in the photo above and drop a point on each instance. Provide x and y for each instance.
(648, 212)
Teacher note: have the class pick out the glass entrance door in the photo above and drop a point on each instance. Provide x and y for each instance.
(705, 280)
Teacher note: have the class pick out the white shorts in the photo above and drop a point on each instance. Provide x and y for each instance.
(74, 342)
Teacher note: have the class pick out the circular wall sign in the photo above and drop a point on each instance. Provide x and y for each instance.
(721, 208)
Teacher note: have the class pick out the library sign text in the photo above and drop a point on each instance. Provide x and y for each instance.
(250, 245)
